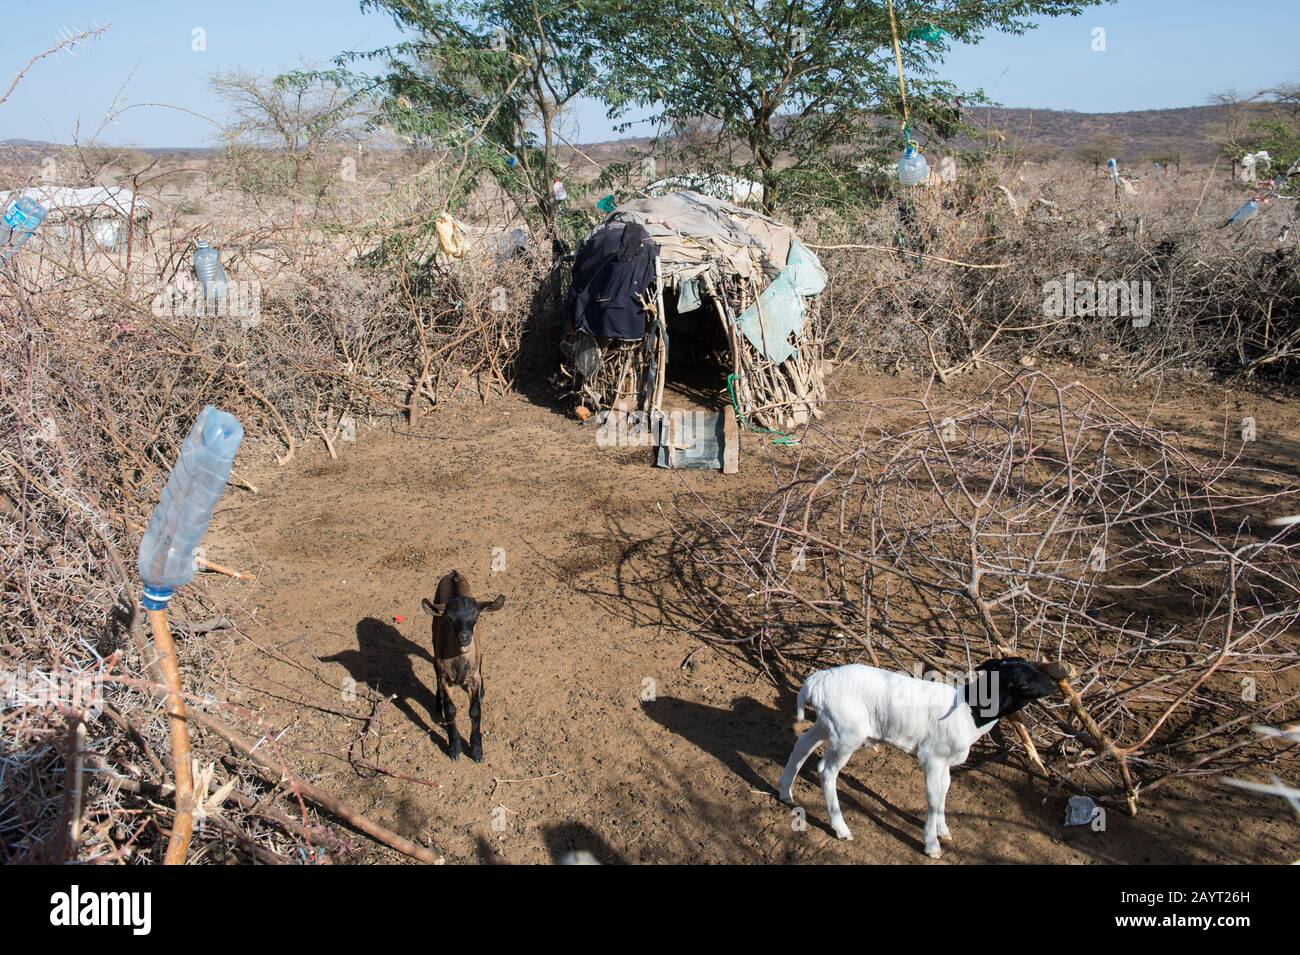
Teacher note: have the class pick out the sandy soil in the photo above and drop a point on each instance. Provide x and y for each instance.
(597, 736)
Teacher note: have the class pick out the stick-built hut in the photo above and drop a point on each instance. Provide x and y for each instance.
(689, 271)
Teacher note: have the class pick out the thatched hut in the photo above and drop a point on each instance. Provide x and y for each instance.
(690, 271)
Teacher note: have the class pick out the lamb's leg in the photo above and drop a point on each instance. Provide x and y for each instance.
(934, 792)
(449, 722)
(475, 733)
(803, 748)
(835, 759)
(944, 834)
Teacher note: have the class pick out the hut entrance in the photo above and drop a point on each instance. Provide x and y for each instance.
(675, 297)
(699, 354)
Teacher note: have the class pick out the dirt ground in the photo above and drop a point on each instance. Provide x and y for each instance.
(597, 735)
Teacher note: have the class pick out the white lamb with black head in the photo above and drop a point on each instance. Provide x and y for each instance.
(936, 722)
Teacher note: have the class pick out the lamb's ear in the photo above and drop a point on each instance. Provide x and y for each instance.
(496, 603)
(431, 608)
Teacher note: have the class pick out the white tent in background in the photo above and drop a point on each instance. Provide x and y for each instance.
(99, 214)
(715, 185)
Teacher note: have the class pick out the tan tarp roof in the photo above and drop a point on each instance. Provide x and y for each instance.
(695, 230)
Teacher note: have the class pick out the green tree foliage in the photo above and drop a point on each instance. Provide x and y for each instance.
(484, 82)
(1280, 133)
(801, 84)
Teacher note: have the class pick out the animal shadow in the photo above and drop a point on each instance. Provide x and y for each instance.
(382, 661)
(749, 732)
(746, 729)
(574, 843)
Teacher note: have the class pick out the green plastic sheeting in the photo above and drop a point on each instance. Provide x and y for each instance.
(929, 33)
(781, 305)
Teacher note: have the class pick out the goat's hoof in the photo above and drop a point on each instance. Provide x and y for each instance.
(454, 754)
(786, 797)
(843, 833)
(476, 754)
(945, 837)
(933, 851)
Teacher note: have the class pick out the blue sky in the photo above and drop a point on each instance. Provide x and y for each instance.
(1159, 53)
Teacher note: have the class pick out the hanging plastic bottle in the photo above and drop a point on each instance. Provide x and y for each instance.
(558, 191)
(512, 161)
(211, 273)
(913, 170)
(1112, 168)
(185, 509)
(23, 217)
(607, 204)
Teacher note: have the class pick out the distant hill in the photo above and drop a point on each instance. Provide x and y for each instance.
(1032, 132)
(1046, 132)
(1186, 130)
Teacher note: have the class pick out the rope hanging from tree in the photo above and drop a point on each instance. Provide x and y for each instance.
(902, 85)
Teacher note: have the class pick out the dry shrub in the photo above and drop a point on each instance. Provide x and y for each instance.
(1226, 299)
(1034, 520)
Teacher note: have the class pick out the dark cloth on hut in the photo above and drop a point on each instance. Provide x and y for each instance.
(612, 267)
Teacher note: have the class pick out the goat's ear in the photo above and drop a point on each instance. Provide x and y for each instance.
(431, 608)
(496, 603)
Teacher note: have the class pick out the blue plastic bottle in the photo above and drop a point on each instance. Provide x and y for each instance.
(912, 167)
(21, 219)
(211, 273)
(185, 509)
(1245, 212)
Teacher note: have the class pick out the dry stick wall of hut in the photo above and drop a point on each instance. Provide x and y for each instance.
(768, 395)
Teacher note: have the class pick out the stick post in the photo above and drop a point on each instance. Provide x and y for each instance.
(183, 826)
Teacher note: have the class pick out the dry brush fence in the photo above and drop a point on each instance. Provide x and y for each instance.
(100, 379)
(1038, 520)
(958, 276)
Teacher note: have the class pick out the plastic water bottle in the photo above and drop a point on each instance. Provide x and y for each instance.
(912, 168)
(21, 219)
(1245, 212)
(185, 509)
(211, 273)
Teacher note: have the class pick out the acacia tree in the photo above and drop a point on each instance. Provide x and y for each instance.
(800, 83)
(280, 129)
(486, 82)
(1098, 150)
